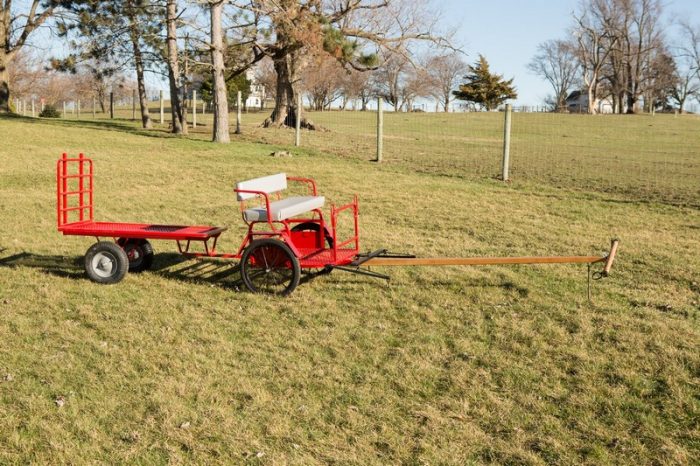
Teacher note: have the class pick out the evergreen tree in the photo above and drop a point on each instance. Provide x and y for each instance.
(484, 88)
(233, 85)
(117, 35)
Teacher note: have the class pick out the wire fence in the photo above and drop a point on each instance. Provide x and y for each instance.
(640, 157)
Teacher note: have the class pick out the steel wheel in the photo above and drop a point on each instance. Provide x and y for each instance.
(139, 252)
(106, 263)
(269, 266)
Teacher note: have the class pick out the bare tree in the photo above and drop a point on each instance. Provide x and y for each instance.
(323, 82)
(356, 86)
(690, 48)
(179, 119)
(266, 77)
(389, 79)
(134, 20)
(687, 69)
(662, 82)
(641, 40)
(15, 28)
(595, 38)
(220, 94)
(351, 31)
(416, 84)
(443, 73)
(557, 63)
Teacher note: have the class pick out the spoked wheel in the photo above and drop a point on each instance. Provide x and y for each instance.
(139, 252)
(269, 266)
(106, 263)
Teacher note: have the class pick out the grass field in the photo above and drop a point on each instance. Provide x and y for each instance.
(500, 365)
(639, 158)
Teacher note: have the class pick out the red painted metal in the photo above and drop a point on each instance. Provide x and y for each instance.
(75, 216)
(309, 255)
(73, 203)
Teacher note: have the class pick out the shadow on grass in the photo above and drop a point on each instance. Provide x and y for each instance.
(117, 124)
(213, 272)
(168, 265)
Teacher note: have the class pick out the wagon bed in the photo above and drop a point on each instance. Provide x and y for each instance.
(75, 198)
(141, 231)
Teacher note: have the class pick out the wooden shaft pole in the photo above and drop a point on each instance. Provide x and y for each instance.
(611, 257)
(446, 261)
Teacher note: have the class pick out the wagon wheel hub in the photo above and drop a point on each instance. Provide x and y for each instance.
(105, 264)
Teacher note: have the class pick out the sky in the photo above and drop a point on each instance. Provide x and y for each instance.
(507, 33)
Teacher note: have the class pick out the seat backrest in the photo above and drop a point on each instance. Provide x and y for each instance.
(267, 184)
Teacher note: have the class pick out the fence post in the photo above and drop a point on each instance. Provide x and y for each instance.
(204, 108)
(238, 112)
(64, 109)
(194, 108)
(94, 104)
(506, 143)
(297, 122)
(78, 109)
(380, 129)
(111, 105)
(33, 114)
(162, 108)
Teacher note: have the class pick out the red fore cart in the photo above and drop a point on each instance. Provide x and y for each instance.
(285, 236)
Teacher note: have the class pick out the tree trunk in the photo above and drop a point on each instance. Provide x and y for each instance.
(364, 102)
(101, 98)
(285, 111)
(4, 82)
(221, 129)
(179, 122)
(592, 97)
(446, 103)
(140, 82)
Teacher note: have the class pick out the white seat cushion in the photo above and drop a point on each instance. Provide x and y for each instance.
(267, 184)
(284, 208)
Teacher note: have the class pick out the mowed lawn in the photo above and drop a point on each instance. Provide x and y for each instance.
(502, 365)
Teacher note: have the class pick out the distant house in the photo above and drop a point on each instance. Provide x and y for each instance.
(577, 102)
(256, 98)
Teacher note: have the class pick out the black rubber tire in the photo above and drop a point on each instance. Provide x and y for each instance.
(313, 226)
(139, 252)
(282, 271)
(106, 263)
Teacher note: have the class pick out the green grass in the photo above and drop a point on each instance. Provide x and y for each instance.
(502, 365)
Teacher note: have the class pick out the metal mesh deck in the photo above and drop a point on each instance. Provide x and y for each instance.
(141, 230)
(312, 258)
